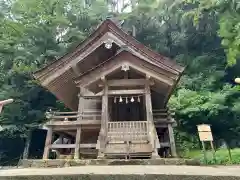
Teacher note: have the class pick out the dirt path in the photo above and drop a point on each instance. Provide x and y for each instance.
(139, 170)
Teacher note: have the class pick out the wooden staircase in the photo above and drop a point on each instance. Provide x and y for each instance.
(162, 116)
(134, 139)
(128, 139)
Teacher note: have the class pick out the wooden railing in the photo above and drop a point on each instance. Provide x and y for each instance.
(62, 116)
(91, 115)
(73, 116)
(127, 131)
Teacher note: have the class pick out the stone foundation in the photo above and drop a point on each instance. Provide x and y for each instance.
(103, 162)
(126, 172)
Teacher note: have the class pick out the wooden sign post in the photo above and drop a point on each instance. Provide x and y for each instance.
(205, 134)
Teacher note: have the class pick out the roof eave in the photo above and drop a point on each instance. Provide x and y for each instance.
(100, 29)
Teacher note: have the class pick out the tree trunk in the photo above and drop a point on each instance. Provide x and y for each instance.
(229, 152)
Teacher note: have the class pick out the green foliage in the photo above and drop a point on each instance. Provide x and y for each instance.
(36, 33)
(185, 143)
(227, 14)
(222, 156)
(200, 35)
(215, 108)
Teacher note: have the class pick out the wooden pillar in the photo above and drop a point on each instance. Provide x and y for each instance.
(47, 143)
(27, 145)
(148, 102)
(78, 134)
(77, 143)
(172, 141)
(80, 104)
(104, 120)
(149, 115)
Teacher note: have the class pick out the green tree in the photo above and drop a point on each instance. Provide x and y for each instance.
(201, 35)
(227, 13)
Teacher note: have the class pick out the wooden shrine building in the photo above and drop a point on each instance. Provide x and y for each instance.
(117, 90)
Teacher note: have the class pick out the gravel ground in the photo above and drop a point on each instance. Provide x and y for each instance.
(126, 170)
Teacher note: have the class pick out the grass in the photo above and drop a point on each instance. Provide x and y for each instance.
(222, 156)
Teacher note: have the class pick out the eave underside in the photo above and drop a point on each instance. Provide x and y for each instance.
(59, 76)
(65, 86)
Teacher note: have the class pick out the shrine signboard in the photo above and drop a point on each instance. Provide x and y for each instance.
(205, 133)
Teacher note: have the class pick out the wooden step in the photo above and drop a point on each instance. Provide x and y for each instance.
(130, 142)
(128, 148)
(130, 155)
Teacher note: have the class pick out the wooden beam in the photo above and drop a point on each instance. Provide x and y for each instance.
(80, 104)
(76, 70)
(123, 92)
(62, 113)
(87, 145)
(77, 143)
(47, 143)
(71, 146)
(91, 94)
(73, 123)
(68, 128)
(126, 82)
(91, 115)
(161, 125)
(64, 134)
(172, 141)
(64, 117)
(95, 111)
(117, 92)
(62, 146)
